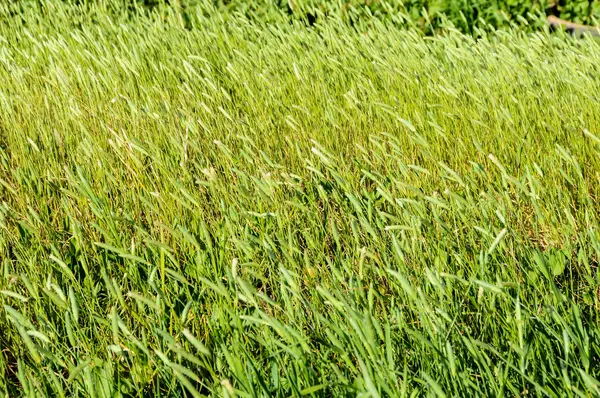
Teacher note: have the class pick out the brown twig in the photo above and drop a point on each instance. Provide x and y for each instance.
(571, 27)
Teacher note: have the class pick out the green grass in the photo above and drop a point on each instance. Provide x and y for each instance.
(264, 209)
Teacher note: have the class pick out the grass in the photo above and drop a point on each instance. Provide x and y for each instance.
(233, 207)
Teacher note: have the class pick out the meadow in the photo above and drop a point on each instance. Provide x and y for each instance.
(228, 205)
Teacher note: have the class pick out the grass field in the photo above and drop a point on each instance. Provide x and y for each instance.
(234, 207)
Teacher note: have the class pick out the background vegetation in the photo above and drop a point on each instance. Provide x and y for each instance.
(429, 15)
(238, 204)
(469, 16)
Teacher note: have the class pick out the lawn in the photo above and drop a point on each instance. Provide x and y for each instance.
(237, 205)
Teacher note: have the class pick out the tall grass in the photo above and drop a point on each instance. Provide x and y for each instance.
(229, 207)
